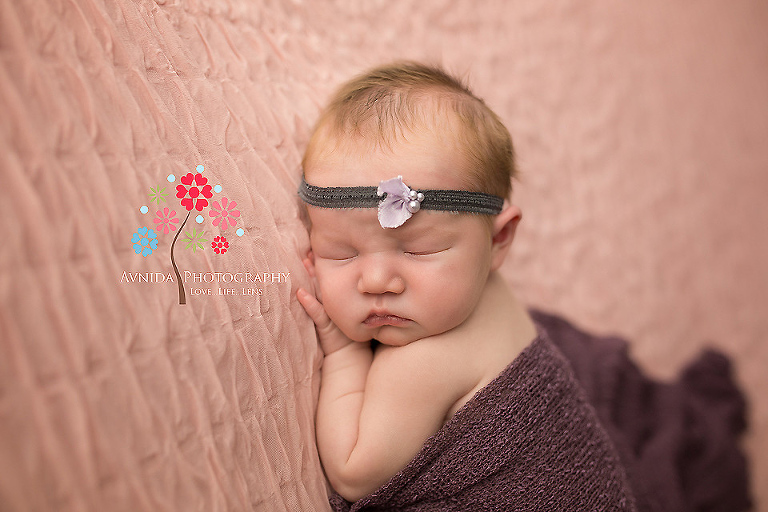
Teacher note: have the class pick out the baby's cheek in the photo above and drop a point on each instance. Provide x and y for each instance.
(319, 294)
(453, 306)
(334, 304)
(325, 288)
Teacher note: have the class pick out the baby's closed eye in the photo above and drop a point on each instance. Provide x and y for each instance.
(334, 252)
(339, 256)
(425, 251)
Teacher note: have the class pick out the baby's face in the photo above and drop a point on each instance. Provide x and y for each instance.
(397, 285)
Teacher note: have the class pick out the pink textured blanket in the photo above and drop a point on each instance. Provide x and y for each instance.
(583, 432)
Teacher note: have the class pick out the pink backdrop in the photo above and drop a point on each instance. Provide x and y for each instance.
(641, 133)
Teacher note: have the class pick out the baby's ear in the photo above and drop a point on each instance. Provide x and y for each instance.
(309, 263)
(504, 227)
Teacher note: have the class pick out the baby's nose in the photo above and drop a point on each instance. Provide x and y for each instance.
(380, 276)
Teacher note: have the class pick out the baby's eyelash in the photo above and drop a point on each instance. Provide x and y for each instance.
(343, 258)
(335, 256)
(425, 253)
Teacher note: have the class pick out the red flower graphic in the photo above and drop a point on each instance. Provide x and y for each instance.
(200, 188)
(220, 245)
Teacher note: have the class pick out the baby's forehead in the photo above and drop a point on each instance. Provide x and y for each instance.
(353, 224)
(420, 164)
(363, 143)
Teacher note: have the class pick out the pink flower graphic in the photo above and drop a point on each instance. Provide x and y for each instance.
(220, 245)
(200, 188)
(224, 213)
(166, 220)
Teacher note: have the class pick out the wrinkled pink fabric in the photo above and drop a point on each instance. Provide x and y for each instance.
(112, 395)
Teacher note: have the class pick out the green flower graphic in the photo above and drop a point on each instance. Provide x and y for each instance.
(157, 194)
(195, 240)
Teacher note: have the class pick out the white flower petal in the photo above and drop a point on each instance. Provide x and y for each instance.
(393, 209)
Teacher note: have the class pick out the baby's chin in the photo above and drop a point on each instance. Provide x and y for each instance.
(396, 342)
(398, 338)
(390, 336)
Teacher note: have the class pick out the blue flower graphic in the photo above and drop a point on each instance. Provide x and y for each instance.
(144, 241)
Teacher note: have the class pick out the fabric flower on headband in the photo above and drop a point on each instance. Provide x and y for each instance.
(399, 203)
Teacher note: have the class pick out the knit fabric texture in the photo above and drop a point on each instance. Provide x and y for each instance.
(527, 441)
(573, 424)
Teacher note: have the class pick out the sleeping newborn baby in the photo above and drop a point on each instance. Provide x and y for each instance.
(406, 180)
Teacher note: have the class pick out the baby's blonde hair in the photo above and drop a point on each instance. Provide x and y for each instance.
(386, 103)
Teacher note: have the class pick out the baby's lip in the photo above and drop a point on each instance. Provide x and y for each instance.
(380, 318)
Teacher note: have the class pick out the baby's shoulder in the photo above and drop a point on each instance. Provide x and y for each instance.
(428, 354)
(443, 370)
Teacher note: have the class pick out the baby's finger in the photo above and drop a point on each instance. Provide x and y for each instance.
(314, 309)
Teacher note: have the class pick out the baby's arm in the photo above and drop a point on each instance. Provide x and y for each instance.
(342, 388)
(345, 370)
(374, 416)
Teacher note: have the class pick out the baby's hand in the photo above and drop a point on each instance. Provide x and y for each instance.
(331, 337)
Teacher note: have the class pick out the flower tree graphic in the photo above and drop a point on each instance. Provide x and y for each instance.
(196, 194)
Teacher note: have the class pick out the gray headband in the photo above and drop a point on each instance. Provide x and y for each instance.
(397, 202)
